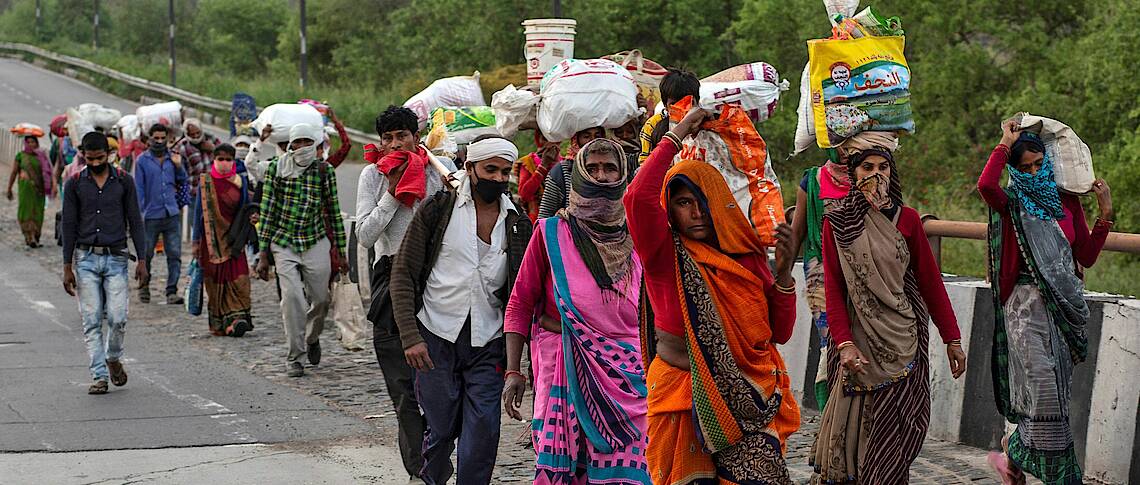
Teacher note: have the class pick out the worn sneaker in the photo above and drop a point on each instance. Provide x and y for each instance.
(98, 387)
(315, 353)
(144, 295)
(174, 299)
(118, 374)
(294, 369)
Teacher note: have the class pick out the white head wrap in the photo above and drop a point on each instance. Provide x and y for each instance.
(491, 148)
(248, 140)
(188, 122)
(294, 163)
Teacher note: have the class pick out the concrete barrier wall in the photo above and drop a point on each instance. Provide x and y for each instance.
(1105, 395)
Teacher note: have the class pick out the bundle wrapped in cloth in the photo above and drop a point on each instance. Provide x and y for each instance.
(732, 145)
(453, 92)
(581, 94)
(514, 109)
(168, 114)
(284, 116)
(89, 117)
(1072, 159)
(755, 86)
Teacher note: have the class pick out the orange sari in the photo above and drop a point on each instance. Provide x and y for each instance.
(727, 420)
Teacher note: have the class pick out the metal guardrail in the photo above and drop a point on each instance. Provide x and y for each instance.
(936, 229)
(165, 91)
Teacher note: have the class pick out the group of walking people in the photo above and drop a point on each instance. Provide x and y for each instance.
(651, 309)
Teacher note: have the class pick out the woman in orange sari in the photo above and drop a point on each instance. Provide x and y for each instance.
(720, 402)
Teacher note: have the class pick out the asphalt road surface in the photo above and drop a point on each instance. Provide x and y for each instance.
(184, 416)
(32, 94)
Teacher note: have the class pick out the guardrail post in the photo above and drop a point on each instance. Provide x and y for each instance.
(934, 240)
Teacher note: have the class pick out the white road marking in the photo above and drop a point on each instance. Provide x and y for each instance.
(46, 309)
(207, 405)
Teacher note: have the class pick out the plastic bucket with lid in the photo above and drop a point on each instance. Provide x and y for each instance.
(548, 42)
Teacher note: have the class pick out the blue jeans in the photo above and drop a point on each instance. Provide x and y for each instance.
(171, 230)
(103, 296)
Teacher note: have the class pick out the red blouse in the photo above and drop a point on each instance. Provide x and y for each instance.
(1086, 246)
(925, 269)
(653, 241)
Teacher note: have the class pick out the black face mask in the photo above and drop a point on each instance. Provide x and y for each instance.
(488, 190)
(157, 147)
(97, 169)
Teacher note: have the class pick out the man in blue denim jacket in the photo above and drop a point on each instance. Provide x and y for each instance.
(158, 176)
(100, 210)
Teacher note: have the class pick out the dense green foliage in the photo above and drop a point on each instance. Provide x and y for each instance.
(975, 63)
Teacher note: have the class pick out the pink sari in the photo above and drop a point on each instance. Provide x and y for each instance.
(590, 424)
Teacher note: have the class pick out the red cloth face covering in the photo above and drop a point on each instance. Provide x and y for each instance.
(413, 183)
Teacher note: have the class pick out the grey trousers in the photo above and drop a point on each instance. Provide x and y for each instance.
(304, 280)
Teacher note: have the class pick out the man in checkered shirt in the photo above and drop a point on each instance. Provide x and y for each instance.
(300, 221)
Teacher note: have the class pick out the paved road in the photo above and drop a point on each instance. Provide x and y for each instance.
(32, 94)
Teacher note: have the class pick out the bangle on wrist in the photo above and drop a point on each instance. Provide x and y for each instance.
(509, 373)
(673, 138)
(843, 345)
(787, 290)
(956, 341)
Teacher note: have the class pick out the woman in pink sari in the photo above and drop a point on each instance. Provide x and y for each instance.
(576, 300)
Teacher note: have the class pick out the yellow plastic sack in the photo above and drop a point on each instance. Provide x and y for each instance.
(858, 85)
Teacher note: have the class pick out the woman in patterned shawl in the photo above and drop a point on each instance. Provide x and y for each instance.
(576, 299)
(223, 201)
(1039, 241)
(720, 402)
(882, 287)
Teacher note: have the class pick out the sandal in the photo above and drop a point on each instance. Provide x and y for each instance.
(118, 374)
(1000, 463)
(99, 387)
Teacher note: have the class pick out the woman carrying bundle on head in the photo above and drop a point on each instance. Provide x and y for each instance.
(882, 287)
(34, 172)
(1039, 241)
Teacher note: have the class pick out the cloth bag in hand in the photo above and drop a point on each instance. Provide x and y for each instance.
(348, 314)
(193, 294)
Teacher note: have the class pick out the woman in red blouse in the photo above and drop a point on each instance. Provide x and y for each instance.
(1039, 241)
(882, 286)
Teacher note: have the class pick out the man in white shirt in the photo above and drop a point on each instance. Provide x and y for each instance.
(450, 284)
(385, 203)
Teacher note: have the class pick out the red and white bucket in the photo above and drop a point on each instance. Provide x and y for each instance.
(548, 42)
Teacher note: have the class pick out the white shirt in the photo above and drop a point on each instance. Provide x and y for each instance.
(462, 283)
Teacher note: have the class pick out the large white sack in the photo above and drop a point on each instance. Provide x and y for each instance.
(513, 107)
(451, 92)
(757, 97)
(86, 117)
(129, 127)
(1072, 159)
(581, 94)
(283, 116)
(168, 114)
(755, 86)
(805, 124)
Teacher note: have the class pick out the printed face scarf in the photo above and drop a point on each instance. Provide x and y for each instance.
(597, 218)
(848, 218)
(1037, 193)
